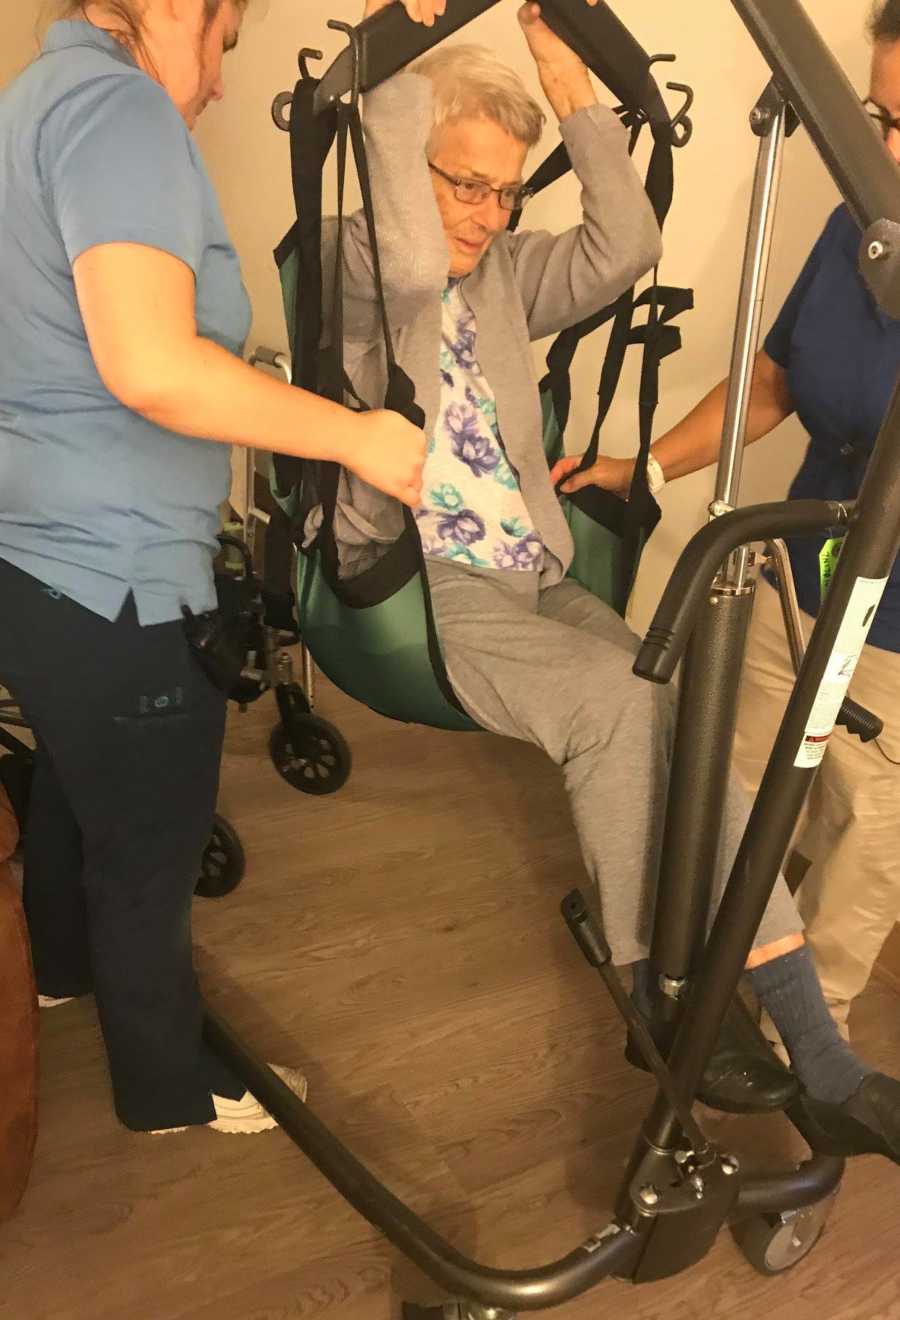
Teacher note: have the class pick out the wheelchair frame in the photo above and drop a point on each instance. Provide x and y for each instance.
(678, 1191)
(254, 516)
(307, 751)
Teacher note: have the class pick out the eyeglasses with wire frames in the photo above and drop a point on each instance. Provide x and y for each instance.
(475, 191)
(881, 117)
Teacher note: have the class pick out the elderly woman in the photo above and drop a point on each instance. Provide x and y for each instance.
(122, 320)
(531, 654)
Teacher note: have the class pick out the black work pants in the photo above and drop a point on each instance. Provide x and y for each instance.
(129, 737)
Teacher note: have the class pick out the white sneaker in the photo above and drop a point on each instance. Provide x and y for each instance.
(47, 1001)
(246, 1114)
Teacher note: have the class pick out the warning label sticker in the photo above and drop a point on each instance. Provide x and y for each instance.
(851, 639)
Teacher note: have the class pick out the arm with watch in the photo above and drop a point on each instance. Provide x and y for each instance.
(694, 442)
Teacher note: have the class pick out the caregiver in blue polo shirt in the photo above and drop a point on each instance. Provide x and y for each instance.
(122, 322)
(833, 358)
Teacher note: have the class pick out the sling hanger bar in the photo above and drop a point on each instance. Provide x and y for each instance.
(804, 68)
(848, 143)
(390, 40)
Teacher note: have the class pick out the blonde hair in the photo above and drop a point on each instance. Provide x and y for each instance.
(469, 82)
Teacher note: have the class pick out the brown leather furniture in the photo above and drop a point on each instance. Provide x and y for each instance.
(18, 1029)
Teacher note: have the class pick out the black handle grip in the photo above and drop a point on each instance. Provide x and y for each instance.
(859, 721)
(588, 935)
(229, 542)
(388, 41)
(600, 39)
(701, 559)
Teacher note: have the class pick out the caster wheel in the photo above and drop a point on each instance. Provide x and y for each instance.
(775, 1243)
(321, 764)
(223, 865)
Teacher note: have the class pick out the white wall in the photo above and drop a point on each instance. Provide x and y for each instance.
(248, 159)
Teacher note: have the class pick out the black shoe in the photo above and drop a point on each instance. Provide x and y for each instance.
(743, 1076)
(866, 1124)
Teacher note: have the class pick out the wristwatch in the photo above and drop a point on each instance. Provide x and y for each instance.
(656, 478)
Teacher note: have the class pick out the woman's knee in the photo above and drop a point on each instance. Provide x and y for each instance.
(633, 714)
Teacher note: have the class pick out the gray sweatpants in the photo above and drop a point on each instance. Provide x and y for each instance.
(553, 667)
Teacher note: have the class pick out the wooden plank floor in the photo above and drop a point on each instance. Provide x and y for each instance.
(401, 939)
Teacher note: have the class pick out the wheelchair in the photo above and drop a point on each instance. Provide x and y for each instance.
(308, 752)
(250, 634)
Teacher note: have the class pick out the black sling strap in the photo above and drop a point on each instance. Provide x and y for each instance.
(311, 138)
(321, 366)
(658, 338)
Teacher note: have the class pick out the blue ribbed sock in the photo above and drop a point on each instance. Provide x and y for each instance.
(788, 987)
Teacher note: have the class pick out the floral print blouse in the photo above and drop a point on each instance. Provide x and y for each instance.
(472, 509)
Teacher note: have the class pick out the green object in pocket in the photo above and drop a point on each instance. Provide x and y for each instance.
(828, 560)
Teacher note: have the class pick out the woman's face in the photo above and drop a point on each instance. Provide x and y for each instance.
(482, 150)
(183, 53)
(191, 62)
(884, 88)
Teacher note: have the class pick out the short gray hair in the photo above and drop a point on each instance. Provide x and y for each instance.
(471, 83)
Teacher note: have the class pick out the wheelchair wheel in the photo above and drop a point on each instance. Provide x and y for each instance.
(223, 864)
(775, 1243)
(321, 762)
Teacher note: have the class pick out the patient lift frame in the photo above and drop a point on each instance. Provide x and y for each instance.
(678, 1191)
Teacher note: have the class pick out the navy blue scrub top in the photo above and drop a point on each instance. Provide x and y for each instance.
(842, 358)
